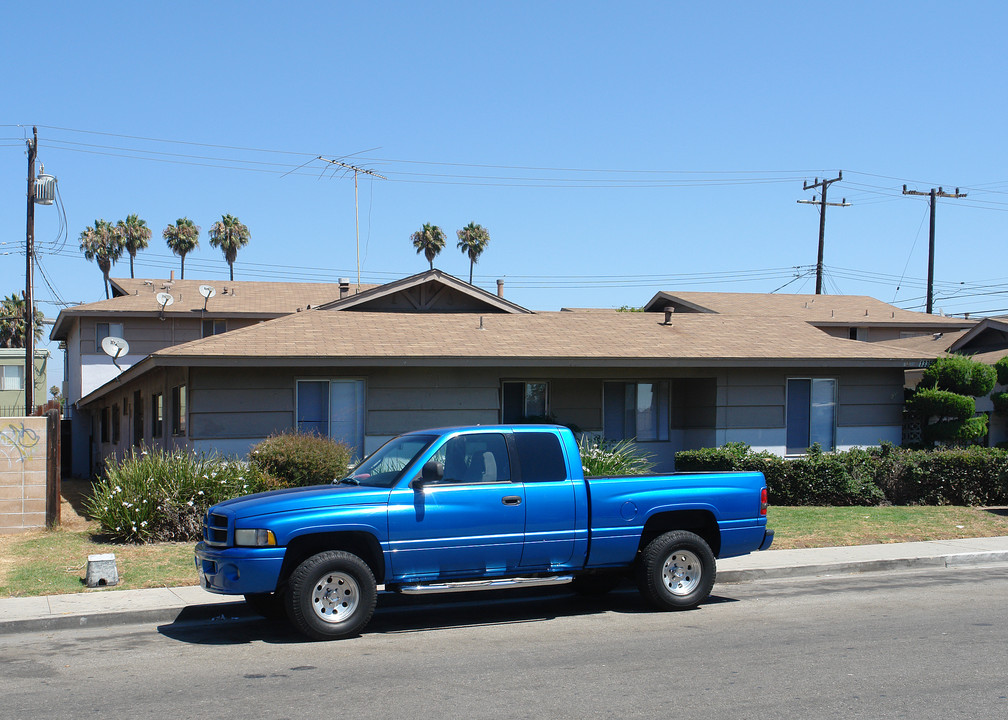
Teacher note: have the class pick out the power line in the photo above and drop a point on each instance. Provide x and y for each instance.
(824, 184)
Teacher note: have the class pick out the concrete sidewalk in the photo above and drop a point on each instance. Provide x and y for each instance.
(100, 608)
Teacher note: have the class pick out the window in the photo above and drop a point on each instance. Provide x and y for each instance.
(636, 411)
(104, 425)
(811, 414)
(524, 401)
(115, 424)
(332, 408)
(157, 415)
(13, 377)
(476, 458)
(104, 330)
(178, 395)
(541, 457)
(213, 327)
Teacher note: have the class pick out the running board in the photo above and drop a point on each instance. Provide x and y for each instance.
(495, 584)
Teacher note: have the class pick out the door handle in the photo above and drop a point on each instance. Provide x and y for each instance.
(511, 500)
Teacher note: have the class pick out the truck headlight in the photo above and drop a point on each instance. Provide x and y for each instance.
(255, 538)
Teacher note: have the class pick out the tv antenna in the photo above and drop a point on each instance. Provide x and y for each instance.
(356, 219)
(114, 347)
(207, 291)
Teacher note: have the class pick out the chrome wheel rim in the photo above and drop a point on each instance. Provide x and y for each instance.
(681, 572)
(335, 597)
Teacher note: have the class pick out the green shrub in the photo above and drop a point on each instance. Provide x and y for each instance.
(155, 496)
(1001, 368)
(959, 374)
(620, 458)
(1000, 401)
(956, 432)
(299, 459)
(929, 402)
(869, 476)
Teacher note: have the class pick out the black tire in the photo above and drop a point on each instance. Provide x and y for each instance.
(269, 605)
(331, 595)
(676, 571)
(595, 584)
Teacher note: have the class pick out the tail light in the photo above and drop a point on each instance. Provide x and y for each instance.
(763, 502)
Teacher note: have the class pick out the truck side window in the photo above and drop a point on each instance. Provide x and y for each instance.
(541, 457)
(475, 458)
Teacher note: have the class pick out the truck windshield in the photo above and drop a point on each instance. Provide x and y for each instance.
(386, 465)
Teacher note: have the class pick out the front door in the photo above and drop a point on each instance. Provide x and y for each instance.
(470, 524)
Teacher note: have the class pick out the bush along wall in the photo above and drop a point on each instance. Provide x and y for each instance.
(871, 476)
(300, 459)
(945, 400)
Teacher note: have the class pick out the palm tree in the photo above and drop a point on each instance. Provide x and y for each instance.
(135, 234)
(472, 241)
(182, 239)
(12, 322)
(430, 240)
(103, 244)
(229, 235)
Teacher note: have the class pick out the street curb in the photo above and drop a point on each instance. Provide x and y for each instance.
(864, 566)
(159, 616)
(232, 611)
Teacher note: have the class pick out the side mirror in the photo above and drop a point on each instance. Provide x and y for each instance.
(432, 471)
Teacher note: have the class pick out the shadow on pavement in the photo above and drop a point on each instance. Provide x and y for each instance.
(400, 614)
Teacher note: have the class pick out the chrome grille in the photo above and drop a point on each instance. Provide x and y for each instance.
(215, 529)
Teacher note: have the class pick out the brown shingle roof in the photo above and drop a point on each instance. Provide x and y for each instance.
(817, 309)
(238, 298)
(627, 338)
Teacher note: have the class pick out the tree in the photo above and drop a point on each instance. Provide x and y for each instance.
(229, 235)
(102, 243)
(472, 241)
(182, 239)
(945, 400)
(429, 240)
(12, 323)
(135, 235)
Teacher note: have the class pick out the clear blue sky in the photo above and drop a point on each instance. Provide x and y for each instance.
(611, 149)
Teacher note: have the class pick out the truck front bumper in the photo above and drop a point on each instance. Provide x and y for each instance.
(238, 571)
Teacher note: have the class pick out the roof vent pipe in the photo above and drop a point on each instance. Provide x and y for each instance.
(171, 278)
(344, 287)
(668, 314)
(500, 287)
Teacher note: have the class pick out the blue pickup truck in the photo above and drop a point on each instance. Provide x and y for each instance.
(474, 508)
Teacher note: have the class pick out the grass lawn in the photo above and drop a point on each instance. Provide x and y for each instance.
(47, 563)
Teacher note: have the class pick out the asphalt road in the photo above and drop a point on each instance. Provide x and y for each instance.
(919, 644)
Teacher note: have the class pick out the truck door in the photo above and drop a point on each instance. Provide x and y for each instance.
(470, 524)
(552, 508)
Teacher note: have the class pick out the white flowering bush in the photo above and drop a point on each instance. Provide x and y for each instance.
(156, 496)
(601, 458)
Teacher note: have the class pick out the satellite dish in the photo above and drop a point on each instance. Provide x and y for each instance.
(207, 291)
(114, 347)
(164, 299)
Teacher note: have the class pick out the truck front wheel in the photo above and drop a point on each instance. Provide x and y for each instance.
(331, 595)
(676, 571)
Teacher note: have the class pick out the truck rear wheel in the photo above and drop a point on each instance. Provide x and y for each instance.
(331, 595)
(676, 571)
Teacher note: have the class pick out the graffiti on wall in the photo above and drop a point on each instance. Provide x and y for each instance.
(18, 443)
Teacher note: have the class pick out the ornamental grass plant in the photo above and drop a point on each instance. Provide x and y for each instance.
(159, 496)
(600, 458)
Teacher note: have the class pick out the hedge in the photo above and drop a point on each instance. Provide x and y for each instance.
(872, 476)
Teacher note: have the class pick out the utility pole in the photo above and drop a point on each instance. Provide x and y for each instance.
(932, 196)
(356, 220)
(29, 382)
(824, 183)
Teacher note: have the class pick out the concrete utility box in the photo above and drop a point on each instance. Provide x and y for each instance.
(101, 571)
